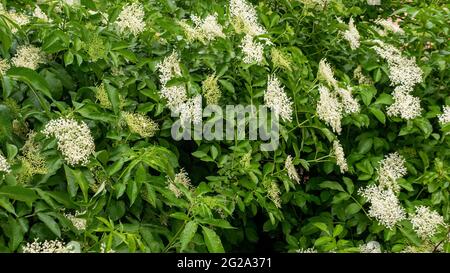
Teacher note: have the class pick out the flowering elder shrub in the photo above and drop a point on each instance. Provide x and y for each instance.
(91, 92)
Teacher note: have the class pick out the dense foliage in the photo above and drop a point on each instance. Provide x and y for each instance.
(88, 162)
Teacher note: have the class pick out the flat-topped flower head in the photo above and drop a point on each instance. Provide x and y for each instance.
(28, 56)
(426, 222)
(191, 111)
(169, 68)
(329, 109)
(390, 25)
(75, 141)
(370, 247)
(131, 19)
(392, 167)
(245, 18)
(405, 105)
(384, 205)
(140, 124)
(276, 99)
(4, 66)
(52, 246)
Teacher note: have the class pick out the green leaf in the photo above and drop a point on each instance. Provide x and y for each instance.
(4, 202)
(188, 233)
(227, 85)
(331, 185)
(352, 209)
(365, 145)
(50, 223)
(212, 241)
(19, 193)
(378, 114)
(337, 230)
(349, 184)
(114, 98)
(32, 78)
(384, 99)
(322, 226)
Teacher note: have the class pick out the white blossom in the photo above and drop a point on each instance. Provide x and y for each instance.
(276, 99)
(349, 104)
(370, 247)
(253, 51)
(290, 168)
(326, 73)
(74, 139)
(205, 30)
(175, 96)
(340, 156)
(352, 35)
(169, 67)
(4, 66)
(245, 18)
(329, 109)
(392, 167)
(28, 56)
(38, 13)
(131, 18)
(191, 111)
(389, 25)
(405, 105)
(4, 165)
(384, 205)
(52, 246)
(426, 221)
(78, 222)
(444, 118)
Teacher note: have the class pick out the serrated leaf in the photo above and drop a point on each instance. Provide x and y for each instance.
(188, 233)
(212, 240)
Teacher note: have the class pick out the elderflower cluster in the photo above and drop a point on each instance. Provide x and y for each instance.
(392, 167)
(181, 178)
(4, 165)
(204, 30)
(405, 105)
(290, 168)
(426, 222)
(32, 160)
(352, 35)
(28, 56)
(404, 74)
(384, 205)
(253, 51)
(389, 25)
(140, 124)
(349, 104)
(362, 79)
(280, 59)
(370, 247)
(211, 90)
(326, 73)
(273, 192)
(131, 18)
(4, 66)
(276, 99)
(338, 152)
(102, 96)
(74, 139)
(77, 222)
(52, 246)
(245, 18)
(18, 18)
(444, 118)
(38, 13)
(191, 111)
(329, 109)
(169, 68)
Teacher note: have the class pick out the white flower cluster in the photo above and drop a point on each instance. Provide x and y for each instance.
(181, 178)
(28, 56)
(426, 222)
(326, 73)
(131, 18)
(392, 167)
(4, 66)
(77, 222)
(140, 124)
(18, 18)
(74, 139)
(190, 110)
(370, 247)
(205, 30)
(352, 35)
(4, 165)
(404, 74)
(246, 18)
(349, 104)
(290, 168)
(389, 25)
(362, 79)
(52, 246)
(444, 118)
(340, 156)
(329, 109)
(276, 99)
(253, 51)
(384, 205)
(38, 13)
